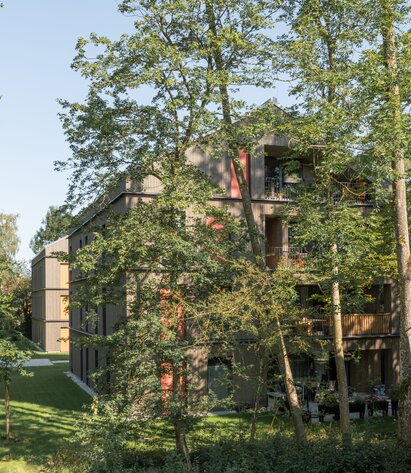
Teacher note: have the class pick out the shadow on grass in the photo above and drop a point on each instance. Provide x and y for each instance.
(44, 411)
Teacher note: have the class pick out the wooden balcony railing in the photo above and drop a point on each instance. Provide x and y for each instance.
(353, 325)
(288, 256)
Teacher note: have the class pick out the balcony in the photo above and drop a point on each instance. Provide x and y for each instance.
(275, 190)
(356, 192)
(353, 325)
(290, 256)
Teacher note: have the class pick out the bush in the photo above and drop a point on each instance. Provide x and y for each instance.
(371, 452)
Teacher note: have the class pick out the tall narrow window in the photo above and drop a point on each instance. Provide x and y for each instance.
(87, 366)
(104, 320)
(81, 364)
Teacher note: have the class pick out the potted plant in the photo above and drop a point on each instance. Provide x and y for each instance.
(357, 404)
(394, 394)
(376, 403)
(327, 404)
(306, 415)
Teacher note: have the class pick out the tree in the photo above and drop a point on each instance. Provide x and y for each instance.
(183, 52)
(8, 249)
(170, 261)
(13, 349)
(12, 359)
(384, 87)
(318, 52)
(264, 306)
(54, 225)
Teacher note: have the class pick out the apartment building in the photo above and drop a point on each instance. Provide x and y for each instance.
(50, 291)
(373, 336)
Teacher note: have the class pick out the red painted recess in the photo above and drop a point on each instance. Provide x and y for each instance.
(166, 379)
(214, 224)
(245, 162)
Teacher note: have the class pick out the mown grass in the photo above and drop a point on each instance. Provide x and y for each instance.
(44, 409)
(236, 427)
(51, 355)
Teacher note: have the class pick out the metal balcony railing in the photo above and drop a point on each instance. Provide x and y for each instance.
(357, 192)
(275, 190)
(289, 256)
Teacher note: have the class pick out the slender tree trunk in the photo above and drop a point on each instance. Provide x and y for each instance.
(290, 389)
(7, 407)
(343, 401)
(249, 215)
(181, 443)
(393, 101)
(339, 358)
(233, 148)
(180, 390)
(262, 374)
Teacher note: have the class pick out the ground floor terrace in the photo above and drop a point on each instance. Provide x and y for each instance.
(370, 361)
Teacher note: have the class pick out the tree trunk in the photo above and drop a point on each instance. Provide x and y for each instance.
(233, 148)
(262, 374)
(343, 401)
(393, 101)
(181, 443)
(291, 391)
(339, 358)
(253, 233)
(7, 407)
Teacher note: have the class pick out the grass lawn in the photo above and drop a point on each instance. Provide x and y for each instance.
(43, 412)
(233, 427)
(51, 355)
(46, 405)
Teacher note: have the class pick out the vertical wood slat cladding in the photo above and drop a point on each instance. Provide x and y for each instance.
(366, 324)
(217, 168)
(50, 292)
(353, 325)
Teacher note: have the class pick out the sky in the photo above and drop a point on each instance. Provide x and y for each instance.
(37, 46)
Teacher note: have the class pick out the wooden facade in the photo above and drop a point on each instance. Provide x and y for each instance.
(50, 296)
(270, 189)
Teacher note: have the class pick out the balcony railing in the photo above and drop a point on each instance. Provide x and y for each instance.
(275, 190)
(353, 325)
(290, 256)
(357, 192)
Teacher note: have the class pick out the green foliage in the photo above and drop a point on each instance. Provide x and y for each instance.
(55, 225)
(364, 239)
(12, 358)
(394, 392)
(372, 452)
(8, 236)
(123, 129)
(12, 274)
(261, 304)
(116, 134)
